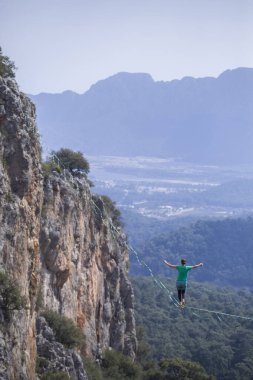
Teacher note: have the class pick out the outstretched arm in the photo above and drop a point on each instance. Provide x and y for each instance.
(197, 265)
(169, 264)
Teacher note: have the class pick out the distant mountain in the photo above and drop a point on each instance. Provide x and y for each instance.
(207, 120)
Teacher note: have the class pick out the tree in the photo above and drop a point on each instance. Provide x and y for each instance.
(65, 330)
(7, 67)
(70, 160)
(112, 210)
(10, 296)
(180, 369)
(143, 348)
(116, 366)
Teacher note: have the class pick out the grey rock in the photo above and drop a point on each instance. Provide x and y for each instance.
(2, 111)
(21, 197)
(53, 356)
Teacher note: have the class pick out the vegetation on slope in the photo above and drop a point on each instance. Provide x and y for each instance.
(225, 247)
(222, 345)
(66, 332)
(10, 296)
(7, 67)
(116, 366)
(67, 159)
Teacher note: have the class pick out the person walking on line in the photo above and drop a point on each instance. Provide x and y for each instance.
(181, 283)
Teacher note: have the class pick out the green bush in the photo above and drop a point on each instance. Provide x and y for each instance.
(143, 348)
(7, 67)
(48, 167)
(41, 364)
(39, 300)
(70, 160)
(112, 211)
(66, 332)
(92, 369)
(183, 369)
(10, 296)
(116, 366)
(223, 346)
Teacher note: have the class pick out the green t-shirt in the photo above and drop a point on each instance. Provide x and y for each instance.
(183, 272)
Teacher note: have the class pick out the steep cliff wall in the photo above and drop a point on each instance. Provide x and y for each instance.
(56, 241)
(84, 265)
(20, 206)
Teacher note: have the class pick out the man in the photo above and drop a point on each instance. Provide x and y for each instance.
(181, 283)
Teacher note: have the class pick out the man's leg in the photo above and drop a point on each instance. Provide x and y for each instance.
(183, 296)
(179, 293)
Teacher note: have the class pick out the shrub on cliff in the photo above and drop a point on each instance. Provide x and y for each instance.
(7, 67)
(70, 160)
(48, 167)
(66, 332)
(111, 209)
(10, 296)
(92, 369)
(183, 369)
(116, 366)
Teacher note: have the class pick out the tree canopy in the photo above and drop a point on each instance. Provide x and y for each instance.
(116, 366)
(68, 159)
(224, 246)
(7, 67)
(222, 345)
(112, 210)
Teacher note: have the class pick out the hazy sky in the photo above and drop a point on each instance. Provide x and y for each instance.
(71, 44)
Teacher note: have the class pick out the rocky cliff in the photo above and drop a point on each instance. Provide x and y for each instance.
(84, 265)
(56, 242)
(20, 207)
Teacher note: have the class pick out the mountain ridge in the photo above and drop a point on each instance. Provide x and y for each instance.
(204, 120)
(126, 73)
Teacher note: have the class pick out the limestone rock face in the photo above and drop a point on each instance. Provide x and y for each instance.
(56, 241)
(84, 265)
(20, 207)
(55, 356)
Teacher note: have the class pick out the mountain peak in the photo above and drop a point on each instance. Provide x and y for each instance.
(239, 72)
(123, 79)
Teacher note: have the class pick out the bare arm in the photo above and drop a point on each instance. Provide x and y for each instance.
(197, 265)
(169, 264)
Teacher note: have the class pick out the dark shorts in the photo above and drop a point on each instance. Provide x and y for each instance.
(181, 286)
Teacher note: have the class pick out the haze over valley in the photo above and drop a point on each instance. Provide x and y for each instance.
(167, 189)
(163, 150)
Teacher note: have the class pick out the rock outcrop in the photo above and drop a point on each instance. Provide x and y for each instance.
(56, 240)
(21, 194)
(54, 357)
(84, 265)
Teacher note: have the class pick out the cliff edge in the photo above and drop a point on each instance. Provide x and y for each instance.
(57, 243)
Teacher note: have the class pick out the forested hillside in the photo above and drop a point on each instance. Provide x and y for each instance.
(223, 345)
(225, 247)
